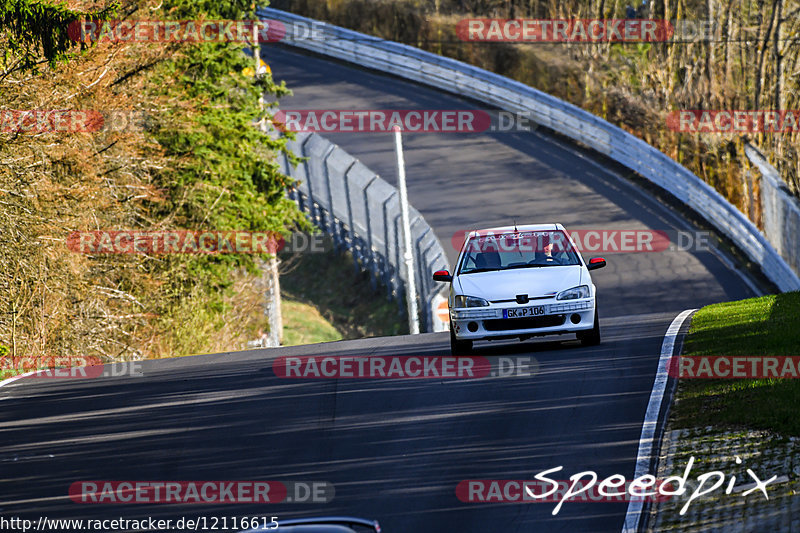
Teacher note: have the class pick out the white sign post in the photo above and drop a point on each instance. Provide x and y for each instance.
(408, 255)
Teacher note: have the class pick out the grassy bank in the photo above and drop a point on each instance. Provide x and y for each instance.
(325, 299)
(757, 327)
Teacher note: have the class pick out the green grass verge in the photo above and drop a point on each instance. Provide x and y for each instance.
(325, 299)
(767, 326)
(303, 324)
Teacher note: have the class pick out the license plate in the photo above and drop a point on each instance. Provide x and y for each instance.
(523, 312)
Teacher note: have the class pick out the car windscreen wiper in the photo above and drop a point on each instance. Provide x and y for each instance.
(476, 270)
(539, 265)
(535, 265)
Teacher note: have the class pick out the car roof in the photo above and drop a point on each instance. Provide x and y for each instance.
(314, 528)
(519, 228)
(324, 524)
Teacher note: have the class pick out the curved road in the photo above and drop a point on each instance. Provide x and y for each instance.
(394, 449)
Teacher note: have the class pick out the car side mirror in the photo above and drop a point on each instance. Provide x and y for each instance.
(595, 263)
(442, 275)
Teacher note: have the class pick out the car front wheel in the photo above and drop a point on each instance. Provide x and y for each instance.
(458, 347)
(591, 337)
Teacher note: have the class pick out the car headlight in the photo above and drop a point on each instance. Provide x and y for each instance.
(574, 293)
(470, 301)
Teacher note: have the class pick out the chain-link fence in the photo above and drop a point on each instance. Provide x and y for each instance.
(780, 210)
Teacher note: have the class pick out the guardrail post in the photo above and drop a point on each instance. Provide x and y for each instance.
(388, 275)
(355, 247)
(312, 209)
(372, 263)
(408, 252)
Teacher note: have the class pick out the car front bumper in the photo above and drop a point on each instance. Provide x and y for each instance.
(567, 316)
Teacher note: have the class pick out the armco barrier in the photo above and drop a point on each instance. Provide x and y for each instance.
(780, 210)
(362, 213)
(567, 119)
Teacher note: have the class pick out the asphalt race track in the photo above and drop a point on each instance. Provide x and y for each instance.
(394, 449)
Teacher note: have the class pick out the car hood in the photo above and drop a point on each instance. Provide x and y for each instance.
(506, 284)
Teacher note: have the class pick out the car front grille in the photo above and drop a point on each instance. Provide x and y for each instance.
(533, 322)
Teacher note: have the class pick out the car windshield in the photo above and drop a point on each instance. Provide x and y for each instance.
(487, 252)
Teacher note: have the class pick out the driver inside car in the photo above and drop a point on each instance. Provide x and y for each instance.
(548, 253)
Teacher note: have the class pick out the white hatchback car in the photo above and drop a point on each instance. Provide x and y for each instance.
(521, 282)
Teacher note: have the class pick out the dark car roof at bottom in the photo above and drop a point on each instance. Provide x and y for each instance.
(314, 528)
(329, 524)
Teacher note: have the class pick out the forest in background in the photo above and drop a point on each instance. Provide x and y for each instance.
(748, 60)
(188, 157)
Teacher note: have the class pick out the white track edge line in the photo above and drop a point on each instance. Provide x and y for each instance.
(634, 515)
(15, 378)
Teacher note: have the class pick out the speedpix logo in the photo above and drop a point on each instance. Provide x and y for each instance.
(587, 486)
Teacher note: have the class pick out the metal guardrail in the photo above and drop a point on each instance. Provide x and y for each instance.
(780, 210)
(361, 212)
(567, 119)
